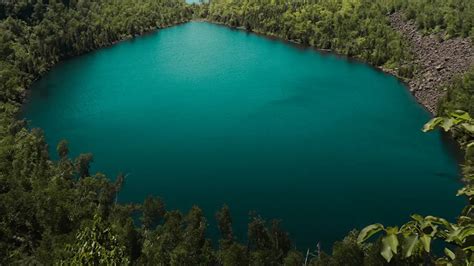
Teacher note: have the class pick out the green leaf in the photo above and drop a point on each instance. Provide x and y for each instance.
(467, 191)
(449, 253)
(432, 124)
(466, 232)
(460, 114)
(453, 234)
(392, 230)
(469, 248)
(443, 261)
(437, 220)
(409, 228)
(468, 127)
(447, 124)
(369, 231)
(417, 217)
(386, 252)
(426, 241)
(409, 244)
(391, 241)
(469, 149)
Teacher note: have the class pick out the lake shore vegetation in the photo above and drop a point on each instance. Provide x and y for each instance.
(58, 212)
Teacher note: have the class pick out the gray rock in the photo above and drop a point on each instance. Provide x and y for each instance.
(438, 61)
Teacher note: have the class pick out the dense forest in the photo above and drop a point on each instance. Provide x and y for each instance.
(37, 34)
(355, 28)
(451, 17)
(58, 211)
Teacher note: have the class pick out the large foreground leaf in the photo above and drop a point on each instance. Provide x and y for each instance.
(369, 231)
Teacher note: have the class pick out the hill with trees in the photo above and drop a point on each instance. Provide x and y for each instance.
(57, 211)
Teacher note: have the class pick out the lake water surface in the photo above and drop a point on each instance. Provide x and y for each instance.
(202, 114)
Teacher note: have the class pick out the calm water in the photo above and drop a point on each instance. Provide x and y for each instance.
(201, 114)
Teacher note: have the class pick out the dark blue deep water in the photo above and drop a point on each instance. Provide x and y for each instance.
(202, 114)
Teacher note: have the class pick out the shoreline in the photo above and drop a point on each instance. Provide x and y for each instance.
(426, 86)
(304, 46)
(422, 89)
(27, 92)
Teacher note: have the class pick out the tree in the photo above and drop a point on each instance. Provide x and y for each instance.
(267, 245)
(235, 254)
(194, 248)
(44, 209)
(62, 149)
(83, 164)
(153, 211)
(159, 244)
(224, 223)
(97, 245)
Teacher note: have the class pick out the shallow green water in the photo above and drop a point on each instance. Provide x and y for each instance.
(201, 114)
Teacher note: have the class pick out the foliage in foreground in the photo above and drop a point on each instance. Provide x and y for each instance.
(58, 211)
(415, 237)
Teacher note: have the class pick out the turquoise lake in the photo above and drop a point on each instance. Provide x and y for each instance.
(203, 114)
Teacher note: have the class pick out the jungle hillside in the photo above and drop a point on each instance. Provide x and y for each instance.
(60, 212)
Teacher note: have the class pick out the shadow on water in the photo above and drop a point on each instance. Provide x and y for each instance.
(452, 147)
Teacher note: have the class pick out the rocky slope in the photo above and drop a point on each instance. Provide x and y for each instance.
(437, 61)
